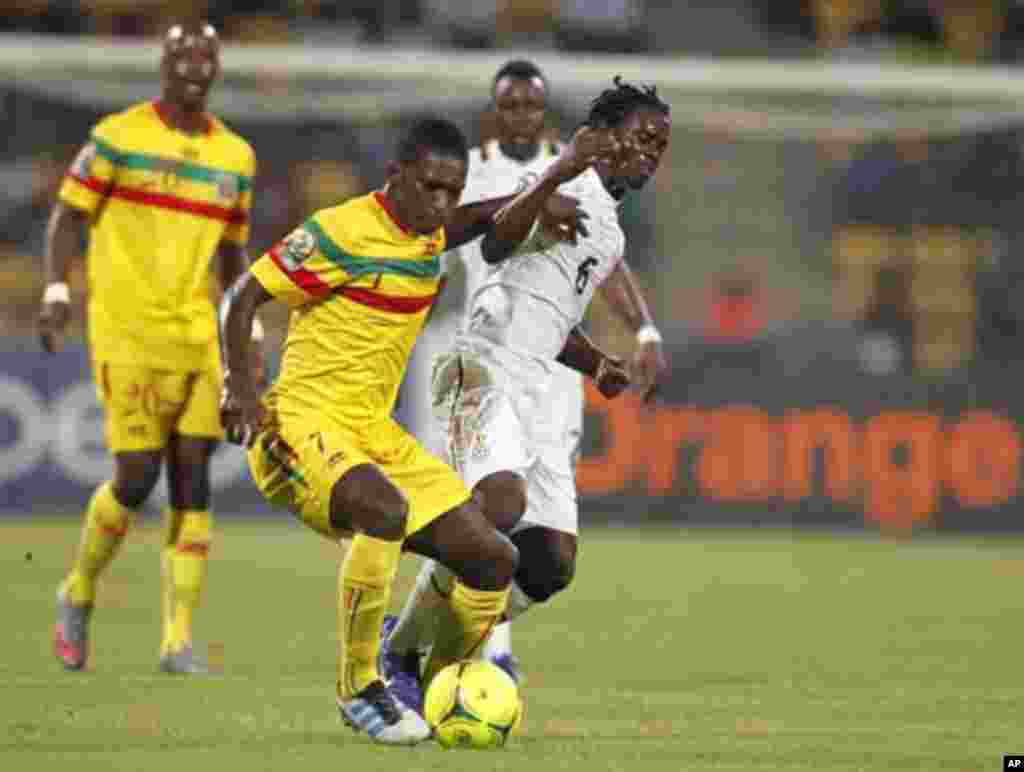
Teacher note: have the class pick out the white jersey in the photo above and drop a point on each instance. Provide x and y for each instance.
(493, 174)
(530, 302)
(504, 400)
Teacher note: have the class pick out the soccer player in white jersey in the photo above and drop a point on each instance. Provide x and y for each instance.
(520, 150)
(508, 405)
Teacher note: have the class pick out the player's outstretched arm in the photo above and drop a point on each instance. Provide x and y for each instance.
(64, 234)
(515, 222)
(607, 372)
(471, 221)
(560, 214)
(626, 299)
(240, 407)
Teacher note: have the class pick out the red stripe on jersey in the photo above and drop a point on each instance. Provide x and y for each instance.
(166, 201)
(93, 184)
(307, 280)
(387, 206)
(397, 305)
(195, 548)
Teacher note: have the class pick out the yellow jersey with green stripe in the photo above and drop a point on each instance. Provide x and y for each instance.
(360, 286)
(160, 203)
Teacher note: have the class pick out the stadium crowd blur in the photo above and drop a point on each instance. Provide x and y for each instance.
(917, 237)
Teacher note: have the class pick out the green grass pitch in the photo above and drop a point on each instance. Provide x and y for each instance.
(674, 650)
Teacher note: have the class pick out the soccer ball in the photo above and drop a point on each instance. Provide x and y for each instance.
(472, 704)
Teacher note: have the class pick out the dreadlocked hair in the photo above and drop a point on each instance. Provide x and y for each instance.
(612, 106)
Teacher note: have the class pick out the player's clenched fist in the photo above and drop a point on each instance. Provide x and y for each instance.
(563, 217)
(587, 146)
(240, 411)
(650, 364)
(53, 322)
(611, 378)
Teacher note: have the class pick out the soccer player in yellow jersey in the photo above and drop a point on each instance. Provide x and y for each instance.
(164, 189)
(361, 278)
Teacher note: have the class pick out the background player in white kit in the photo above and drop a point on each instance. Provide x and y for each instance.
(508, 405)
(521, 148)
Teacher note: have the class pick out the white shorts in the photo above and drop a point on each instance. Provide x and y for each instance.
(416, 404)
(568, 388)
(501, 413)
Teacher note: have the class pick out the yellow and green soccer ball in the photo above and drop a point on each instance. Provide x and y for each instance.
(472, 704)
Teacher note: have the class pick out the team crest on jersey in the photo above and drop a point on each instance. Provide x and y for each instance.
(297, 247)
(227, 186)
(82, 166)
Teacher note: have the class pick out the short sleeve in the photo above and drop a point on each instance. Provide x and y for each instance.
(91, 176)
(238, 227)
(539, 240)
(606, 241)
(474, 191)
(297, 270)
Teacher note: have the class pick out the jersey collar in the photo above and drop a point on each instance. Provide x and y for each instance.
(492, 149)
(161, 111)
(388, 206)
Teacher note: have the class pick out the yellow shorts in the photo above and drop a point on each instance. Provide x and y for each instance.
(144, 406)
(296, 464)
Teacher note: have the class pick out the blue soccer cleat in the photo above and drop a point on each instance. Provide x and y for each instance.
(401, 671)
(510, 665)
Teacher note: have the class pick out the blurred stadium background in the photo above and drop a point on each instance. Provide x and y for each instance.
(832, 247)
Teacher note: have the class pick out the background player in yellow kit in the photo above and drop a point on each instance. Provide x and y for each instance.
(361, 278)
(164, 189)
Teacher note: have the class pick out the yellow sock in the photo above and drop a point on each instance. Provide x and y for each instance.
(475, 613)
(188, 568)
(364, 581)
(172, 527)
(106, 523)
(182, 626)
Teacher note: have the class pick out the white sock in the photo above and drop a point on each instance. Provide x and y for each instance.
(500, 641)
(417, 624)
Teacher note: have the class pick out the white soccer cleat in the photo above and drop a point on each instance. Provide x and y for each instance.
(183, 662)
(376, 711)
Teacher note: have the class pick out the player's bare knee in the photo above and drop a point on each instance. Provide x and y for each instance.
(502, 498)
(540, 587)
(488, 563)
(364, 500)
(500, 558)
(547, 562)
(135, 476)
(562, 576)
